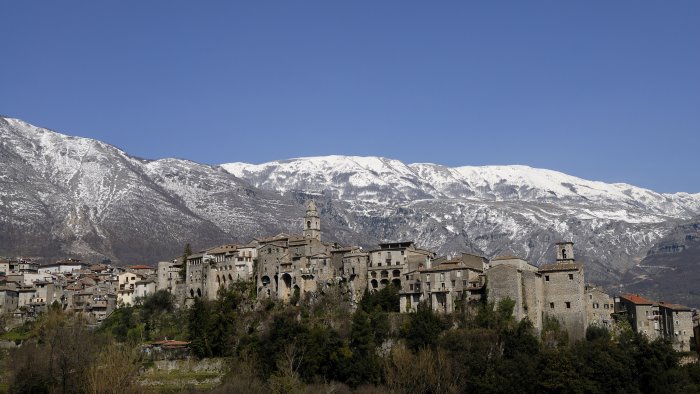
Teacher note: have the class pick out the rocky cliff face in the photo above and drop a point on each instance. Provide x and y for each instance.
(670, 268)
(66, 196)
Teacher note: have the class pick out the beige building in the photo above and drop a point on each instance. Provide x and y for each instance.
(677, 325)
(643, 314)
(563, 288)
(393, 260)
(553, 290)
(126, 291)
(9, 300)
(354, 273)
(296, 264)
(446, 286)
(599, 307)
(514, 278)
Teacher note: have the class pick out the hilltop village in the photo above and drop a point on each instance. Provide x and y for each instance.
(287, 267)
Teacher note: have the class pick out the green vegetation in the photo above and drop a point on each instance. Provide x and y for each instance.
(319, 345)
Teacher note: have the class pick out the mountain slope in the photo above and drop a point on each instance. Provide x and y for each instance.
(670, 269)
(63, 196)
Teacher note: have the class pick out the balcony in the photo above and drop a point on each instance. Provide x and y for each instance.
(306, 272)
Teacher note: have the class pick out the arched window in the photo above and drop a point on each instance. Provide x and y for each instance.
(308, 224)
(563, 253)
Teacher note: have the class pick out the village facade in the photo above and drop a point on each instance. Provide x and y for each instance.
(287, 267)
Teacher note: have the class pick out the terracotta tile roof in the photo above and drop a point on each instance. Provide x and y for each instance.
(637, 299)
(170, 344)
(141, 267)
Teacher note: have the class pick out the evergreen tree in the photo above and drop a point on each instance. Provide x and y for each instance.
(365, 362)
(424, 327)
(198, 325)
(187, 253)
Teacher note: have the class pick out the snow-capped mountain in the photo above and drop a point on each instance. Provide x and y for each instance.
(490, 210)
(381, 180)
(64, 196)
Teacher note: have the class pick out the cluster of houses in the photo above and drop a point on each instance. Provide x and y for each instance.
(95, 290)
(287, 267)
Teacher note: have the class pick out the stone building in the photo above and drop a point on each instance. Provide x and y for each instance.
(599, 307)
(563, 288)
(643, 314)
(393, 260)
(296, 264)
(553, 290)
(354, 273)
(169, 278)
(677, 325)
(514, 278)
(445, 286)
(9, 299)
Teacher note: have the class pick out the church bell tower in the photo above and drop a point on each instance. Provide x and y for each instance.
(312, 223)
(565, 252)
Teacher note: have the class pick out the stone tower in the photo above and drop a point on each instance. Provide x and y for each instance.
(312, 223)
(565, 252)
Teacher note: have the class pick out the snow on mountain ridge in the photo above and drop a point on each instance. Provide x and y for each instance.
(362, 177)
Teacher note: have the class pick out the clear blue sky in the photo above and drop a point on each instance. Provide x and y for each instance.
(605, 90)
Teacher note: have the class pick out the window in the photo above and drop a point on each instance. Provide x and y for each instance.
(546, 278)
(464, 283)
(551, 305)
(568, 305)
(571, 276)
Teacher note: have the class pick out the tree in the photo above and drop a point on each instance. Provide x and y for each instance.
(198, 327)
(187, 253)
(423, 329)
(365, 367)
(115, 369)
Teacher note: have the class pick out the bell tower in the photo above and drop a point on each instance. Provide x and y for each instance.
(312, 223)
(565, 252)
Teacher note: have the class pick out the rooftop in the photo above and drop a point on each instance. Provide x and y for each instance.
(674, 307)
(637, 299)
(560, 267)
